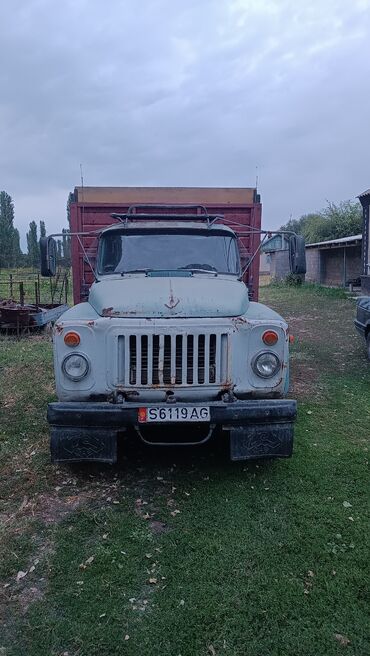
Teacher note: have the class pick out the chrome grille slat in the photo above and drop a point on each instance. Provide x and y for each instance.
(195, 359)
(173, 360)
(138, 360)
(150, 359)
(169, 359)
(161, 360)
(206, 359)
(184, 360)
(218, 361)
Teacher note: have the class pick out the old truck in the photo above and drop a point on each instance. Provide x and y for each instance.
(166, 336)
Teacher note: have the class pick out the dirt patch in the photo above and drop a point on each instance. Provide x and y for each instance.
(157, 527)
(28, 596)
(52, 509)
(326, 342)
(304, 379)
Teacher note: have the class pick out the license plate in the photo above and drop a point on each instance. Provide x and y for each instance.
(176, 413)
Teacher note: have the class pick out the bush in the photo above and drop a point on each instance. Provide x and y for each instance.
(293, 279)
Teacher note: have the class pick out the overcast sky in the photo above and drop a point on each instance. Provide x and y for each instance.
(198, 92)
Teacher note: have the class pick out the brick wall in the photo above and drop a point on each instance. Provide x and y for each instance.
(326, 265)
(279, 265)
(313, 273)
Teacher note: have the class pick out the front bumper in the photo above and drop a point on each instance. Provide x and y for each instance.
(88, 431)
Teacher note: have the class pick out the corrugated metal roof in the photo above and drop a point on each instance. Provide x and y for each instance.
(334, 242)
(364, 193)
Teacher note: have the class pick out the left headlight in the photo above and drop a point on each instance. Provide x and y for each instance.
(75, 366)
(266, 364)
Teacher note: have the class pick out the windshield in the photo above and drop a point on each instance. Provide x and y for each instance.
(153, 251)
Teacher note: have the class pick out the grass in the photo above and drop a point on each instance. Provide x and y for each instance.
(267, 558)
(50, 289)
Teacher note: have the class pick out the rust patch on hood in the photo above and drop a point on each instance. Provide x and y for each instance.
(107, 312)
(239, 322)
(110, 312)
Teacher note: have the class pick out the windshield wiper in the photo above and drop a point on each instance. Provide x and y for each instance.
(195, 270)
(123, 273)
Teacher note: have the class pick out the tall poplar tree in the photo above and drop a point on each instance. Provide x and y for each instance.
(9, 251)
(42, 229)
(33, 246)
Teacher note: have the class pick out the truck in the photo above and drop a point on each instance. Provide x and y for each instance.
(362, 321)
(166, 337)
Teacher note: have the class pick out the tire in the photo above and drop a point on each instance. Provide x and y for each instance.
(368, 346)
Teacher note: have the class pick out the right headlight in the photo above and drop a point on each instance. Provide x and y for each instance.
(75, 366)
(266, 364)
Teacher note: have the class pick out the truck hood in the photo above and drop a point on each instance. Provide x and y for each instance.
(146, 297)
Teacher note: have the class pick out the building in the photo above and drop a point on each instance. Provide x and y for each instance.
(336, 263)
(275, 256)
(365, 260)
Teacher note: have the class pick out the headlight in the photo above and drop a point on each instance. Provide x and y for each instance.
(266, 364)
(75, 366)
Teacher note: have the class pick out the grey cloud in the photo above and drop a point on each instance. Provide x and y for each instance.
(196, 93)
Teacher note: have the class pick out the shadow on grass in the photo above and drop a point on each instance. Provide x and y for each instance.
(139, 460)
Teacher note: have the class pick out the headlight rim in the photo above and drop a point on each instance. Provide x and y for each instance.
(277, 368)
(75, 379)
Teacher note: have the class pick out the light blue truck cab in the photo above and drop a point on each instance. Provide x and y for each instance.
(169, 344)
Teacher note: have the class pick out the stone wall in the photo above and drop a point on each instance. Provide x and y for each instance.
(313, 273)
(327, 267)
(279, 265)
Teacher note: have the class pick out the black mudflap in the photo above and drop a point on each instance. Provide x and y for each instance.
(261, 441)
(68, 444)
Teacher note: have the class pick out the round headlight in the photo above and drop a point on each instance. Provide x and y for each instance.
(75, 366)
(266, 364)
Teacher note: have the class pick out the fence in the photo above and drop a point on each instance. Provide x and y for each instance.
(25, 287)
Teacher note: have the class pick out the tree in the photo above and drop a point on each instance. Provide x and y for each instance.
(333, 222)
(307, 225)
(17, 253)
(343, 220)
(70, 200)
(42, 229)
(33, 246)
(66, 247)
(9, 237)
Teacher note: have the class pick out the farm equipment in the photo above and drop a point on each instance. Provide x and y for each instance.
(26, 304)
(167, 336)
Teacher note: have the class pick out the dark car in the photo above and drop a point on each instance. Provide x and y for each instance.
(362, 321)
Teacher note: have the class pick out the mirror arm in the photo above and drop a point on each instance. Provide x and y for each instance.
(78, 235)
(266, 234)
(87, 258)
(245, 269)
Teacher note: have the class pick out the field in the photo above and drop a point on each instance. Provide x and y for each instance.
(177, 552)
(49, 290)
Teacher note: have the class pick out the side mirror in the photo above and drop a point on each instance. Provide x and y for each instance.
(297, 254)
(48, 256)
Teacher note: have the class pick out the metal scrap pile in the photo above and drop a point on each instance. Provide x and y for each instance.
(10, 303)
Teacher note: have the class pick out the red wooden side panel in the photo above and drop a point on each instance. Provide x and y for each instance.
(243, 219)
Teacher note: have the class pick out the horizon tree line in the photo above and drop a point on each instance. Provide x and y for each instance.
(11, 255)
(334, 221)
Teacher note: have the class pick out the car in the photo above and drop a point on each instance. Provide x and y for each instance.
(362, 321)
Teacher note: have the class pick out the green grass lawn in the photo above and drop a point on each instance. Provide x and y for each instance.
(177, 552)
(49, 289)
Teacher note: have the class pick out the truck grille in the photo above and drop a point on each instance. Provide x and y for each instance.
(160, 360)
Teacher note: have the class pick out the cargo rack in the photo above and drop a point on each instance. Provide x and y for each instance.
(201, 213)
